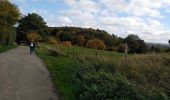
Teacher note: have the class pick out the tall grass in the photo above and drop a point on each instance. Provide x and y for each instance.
(140, 77)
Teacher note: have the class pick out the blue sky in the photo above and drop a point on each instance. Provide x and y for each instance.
(149, 19)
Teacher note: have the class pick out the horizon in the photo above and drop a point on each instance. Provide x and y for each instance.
(148, 19)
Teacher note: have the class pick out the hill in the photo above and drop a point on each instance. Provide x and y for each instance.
(73, 33)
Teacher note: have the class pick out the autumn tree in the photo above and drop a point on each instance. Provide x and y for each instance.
(34, 36)
(81, 40)
(96, 43)
(9, 15)
(30, 23)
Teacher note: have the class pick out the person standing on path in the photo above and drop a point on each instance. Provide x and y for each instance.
(32, 47)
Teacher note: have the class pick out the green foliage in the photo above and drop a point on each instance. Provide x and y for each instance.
(141, 77)
(62, 73)
(135, 44)
(97, 44)
(6, 48)
(149, 72)
(31, 23)
(99, 85)
(55, 52)
(9, 15)
(65, 36)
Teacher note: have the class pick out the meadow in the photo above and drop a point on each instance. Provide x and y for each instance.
(79, 75)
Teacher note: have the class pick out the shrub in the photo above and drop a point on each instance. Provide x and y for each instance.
(97, 84)
(112, 49)
(55, 52)
(121, 48)
(97, 44)
(67, 43)
(52, 41)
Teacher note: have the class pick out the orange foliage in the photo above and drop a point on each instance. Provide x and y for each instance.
(52, 41)
(67, 43)
(97, 44)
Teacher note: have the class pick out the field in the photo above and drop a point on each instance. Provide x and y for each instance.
(76, 51)
(78, 74)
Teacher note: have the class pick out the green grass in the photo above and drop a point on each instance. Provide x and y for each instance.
(62, 72)
(148, 72)
(62, 69)
(85, 52)
(6, 48)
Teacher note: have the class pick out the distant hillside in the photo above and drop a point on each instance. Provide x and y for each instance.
(73, 33)
(161, 45)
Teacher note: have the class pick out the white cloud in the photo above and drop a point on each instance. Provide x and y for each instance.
(41, 11)
(84, 5)
(122, 17)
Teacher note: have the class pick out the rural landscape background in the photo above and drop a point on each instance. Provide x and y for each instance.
(90, 63)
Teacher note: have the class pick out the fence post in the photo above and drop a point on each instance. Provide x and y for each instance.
(73, 52)
(126, 51)
(68, 51)
(96, 52)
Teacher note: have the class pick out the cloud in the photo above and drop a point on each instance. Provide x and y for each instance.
(121, 17)
(133, 7)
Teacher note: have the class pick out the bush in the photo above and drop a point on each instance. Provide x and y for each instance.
(112, 49)
(121, 48)
(54, 52)
(97, 84)
(67, 43)
(52, 41)
(101, 81)
(97, 44)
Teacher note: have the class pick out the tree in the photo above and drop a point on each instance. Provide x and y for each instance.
(30, 23)
(34, 36)
(9, 15)
(65, 36)
(156, 49)
(135, 44)
(169, 41)
(81, 40)
(121, 48)
(96, 44)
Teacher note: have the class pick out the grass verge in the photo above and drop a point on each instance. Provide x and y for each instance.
(62, 72)
(6, 48)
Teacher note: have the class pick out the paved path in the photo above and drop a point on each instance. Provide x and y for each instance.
(24, 77)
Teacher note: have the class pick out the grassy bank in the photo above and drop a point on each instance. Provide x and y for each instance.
(6, 48)
(141, 77)
(62, 73)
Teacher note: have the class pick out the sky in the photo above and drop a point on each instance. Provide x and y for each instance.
(149, 19)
